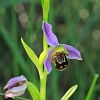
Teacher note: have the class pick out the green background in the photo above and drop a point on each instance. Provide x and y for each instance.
(75, 22)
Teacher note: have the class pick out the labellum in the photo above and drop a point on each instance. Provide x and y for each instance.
(60, 60)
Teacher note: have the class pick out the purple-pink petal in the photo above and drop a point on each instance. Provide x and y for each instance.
(16, 87)
(12, 82)
(15, 91)
(47, 62)
(50, 36)
(73, 53)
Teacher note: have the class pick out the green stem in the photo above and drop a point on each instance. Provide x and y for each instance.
(45, 8)
(43, 87)
(45, 46)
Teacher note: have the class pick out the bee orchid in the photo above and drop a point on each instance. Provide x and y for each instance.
(58, 53)
(16, 87)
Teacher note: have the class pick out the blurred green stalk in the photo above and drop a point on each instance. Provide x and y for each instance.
(90, 92)
(15, 40)
(45, 8)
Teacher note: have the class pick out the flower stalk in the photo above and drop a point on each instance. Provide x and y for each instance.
(45, 8)
(43, 87)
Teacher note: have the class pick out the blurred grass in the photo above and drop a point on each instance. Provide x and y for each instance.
(91, 90)
(70, 26)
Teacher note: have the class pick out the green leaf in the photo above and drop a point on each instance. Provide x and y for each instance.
(90, 92)
(33, 91)
(69, 93)
(42, 57)
(31, 54)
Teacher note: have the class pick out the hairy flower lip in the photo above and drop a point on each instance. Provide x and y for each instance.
(16, 87)
(53, 42)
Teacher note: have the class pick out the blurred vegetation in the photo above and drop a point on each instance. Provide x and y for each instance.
(75, 22)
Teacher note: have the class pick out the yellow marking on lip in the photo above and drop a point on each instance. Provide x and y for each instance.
(61, 67)
(65, 65)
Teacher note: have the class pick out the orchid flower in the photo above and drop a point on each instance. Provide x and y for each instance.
(16, 87)
(58, 53)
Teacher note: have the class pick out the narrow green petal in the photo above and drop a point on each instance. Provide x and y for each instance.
(33, 91)
(69, 93)
(31, 54)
